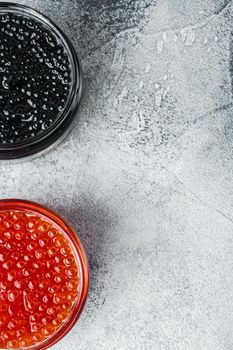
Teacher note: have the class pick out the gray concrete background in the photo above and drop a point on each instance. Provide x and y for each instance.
(146, 173)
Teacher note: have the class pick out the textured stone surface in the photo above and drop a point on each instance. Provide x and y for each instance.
(146, 173)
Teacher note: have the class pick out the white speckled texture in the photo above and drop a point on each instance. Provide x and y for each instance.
(146, 173)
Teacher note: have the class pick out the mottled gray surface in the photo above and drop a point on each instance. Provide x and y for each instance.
(146, 173)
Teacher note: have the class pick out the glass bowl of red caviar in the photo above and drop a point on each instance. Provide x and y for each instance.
(44, 276)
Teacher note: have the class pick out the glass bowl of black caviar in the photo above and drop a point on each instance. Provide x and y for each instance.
(40, 82)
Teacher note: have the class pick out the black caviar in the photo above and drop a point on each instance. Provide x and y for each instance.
(35, 78)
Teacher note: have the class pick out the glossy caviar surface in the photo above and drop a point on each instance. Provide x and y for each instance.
(35, 78)
(39, 279)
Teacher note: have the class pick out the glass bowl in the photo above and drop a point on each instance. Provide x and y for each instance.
(13, 213)
(56, 128)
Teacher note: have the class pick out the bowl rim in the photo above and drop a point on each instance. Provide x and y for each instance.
(59, 221)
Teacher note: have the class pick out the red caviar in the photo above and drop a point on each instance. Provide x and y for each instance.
(44, 276)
